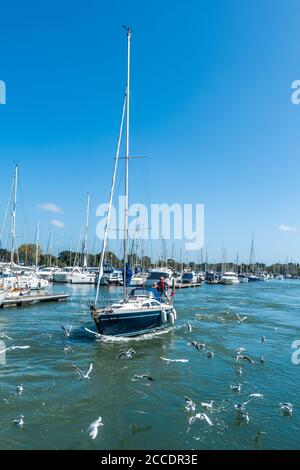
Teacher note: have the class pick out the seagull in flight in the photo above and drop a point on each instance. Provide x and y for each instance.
(210, 354)
(97, 335)
(207, 405)
(196, 345)
(93, 427)
(83, 375)
(19, 422)
(256, 395)
(4, 336)
(263, 339)
(13, 348)
(171, 361)
(189, 404)
(201, 417)
(240, 350)
(67, 330)
(287, 408)
(126, 354)
(244, 357)
(239, 319)
(236, 388)
(20, 389)
(141, 377)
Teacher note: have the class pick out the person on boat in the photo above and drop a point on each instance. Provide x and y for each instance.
(162, 288)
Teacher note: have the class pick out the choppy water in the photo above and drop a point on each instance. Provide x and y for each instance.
(58, 407)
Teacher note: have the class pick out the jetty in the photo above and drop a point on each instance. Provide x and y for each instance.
(25, 300)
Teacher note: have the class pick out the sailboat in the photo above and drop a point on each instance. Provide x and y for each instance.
(142, 310)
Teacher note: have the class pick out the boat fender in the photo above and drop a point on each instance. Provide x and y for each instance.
(171, 318)
(163, 316)
(174, 313)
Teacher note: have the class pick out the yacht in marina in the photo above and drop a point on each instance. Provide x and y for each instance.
(141, 310)
(229, 278)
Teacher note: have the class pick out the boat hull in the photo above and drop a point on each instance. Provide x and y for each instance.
(132, 323)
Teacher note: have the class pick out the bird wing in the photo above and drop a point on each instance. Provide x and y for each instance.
(79, 371)
(207, 419)
(91, 331)
(90, 370)
(238, 317)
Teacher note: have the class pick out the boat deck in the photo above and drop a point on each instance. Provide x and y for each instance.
(25, 300)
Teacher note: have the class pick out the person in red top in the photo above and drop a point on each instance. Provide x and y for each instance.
(162, 288)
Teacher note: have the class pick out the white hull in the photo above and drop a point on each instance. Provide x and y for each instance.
(82, 278)
(3, 296)
(62, 277)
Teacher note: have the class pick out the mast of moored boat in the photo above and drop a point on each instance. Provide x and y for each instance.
(85, 242)
(13, 218)
(37, 237)
(126, 165)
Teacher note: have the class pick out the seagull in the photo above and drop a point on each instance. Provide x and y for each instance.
(20, 389)
(189, 328)
(263, 339)
(67, 330)
(126, 354)
(245, 416)
(12, 348)
(171, 361)
(210, 354)
(287, 408)
(240, 350)
(93, 427)
(83, 375)
(19, 422)
(190, 405)
(240, 407)
(236, 388)
(207, 405)
(97, 335)
(140, 377)
(196, 345)
(69, 349)
(239, 319)
(244, 357)
(256, 395)
(4, 336)
(201, 416)
(262, 360)
(239, 371)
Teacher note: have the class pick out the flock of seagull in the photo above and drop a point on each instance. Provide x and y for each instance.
(190, 406)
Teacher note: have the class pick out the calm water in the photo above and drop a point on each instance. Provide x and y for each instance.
(58, 407)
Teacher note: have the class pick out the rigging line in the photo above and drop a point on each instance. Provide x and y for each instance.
(5, 213)
(110, 200)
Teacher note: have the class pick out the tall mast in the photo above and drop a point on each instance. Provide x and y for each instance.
(37, 237)
(126, 165)
(85, 245)
(14, 214)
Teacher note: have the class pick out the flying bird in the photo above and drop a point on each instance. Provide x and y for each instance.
(20, 389)
(207, 405)
(126, 354)
(256, 395)
(67, 330)
(81, 374)
(189, 327)
(97, 335)
(239, 319)
(287, 408)
(196, 345)
(236, 388)
(189, 404)
(171, 361)
(13, 348)
(201, 417)
(19, 422)
(93, 427)
(263, 339)
(141, 377)
(244, 357)
(4, 336)
(210, 354)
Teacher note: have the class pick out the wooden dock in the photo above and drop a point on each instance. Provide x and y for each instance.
(25, 300)
(188, 285)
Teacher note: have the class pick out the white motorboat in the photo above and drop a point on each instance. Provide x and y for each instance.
(64, 275)
(47, 273)
(243, 278)
(81, 276)
(229, 278)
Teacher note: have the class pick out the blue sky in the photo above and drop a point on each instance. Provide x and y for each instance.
(211, 110)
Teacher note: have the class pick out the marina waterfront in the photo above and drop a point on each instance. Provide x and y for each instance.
(58, 407)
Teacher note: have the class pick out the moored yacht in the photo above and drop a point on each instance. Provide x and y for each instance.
(229, 278)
